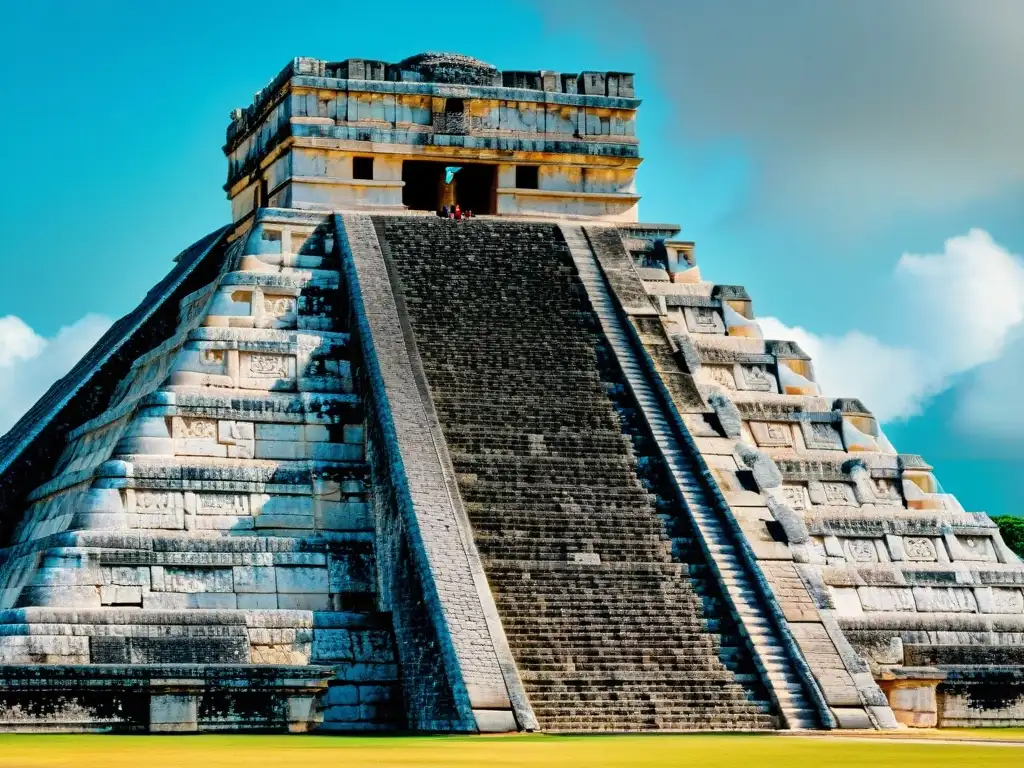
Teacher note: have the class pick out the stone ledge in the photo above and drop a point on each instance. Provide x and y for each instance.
(154, 675)
(200, 618)
(161, 697)
(934, 622)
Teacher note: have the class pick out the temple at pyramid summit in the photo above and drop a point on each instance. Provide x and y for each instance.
(355, 466)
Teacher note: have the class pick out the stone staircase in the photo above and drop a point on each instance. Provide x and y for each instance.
(610, 610)
(763, 638)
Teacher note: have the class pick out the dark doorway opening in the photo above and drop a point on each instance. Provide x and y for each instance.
(362, 168)
(527, 177)
(474, 187)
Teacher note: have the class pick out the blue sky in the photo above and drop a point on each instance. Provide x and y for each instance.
(856, 166)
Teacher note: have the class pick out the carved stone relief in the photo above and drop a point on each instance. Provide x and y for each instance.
(720, 375)
(268, 366)
(196, 309)
(885, 490)
(186, 428)
(821, 436)
(977, 547)
(756, 378)
(886, 599)
(278, 306)
(150, 501)
(222, 504)
(769, 434)
(837, 493)
(919, 548)
(945, 600)
(794, 496)
(703, 320)
(861, 551)
(1007, 601)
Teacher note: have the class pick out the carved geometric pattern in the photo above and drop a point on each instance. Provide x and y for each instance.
(756, 378)
(195, 428)
(837, 493)
(703, 320)
(769, 434)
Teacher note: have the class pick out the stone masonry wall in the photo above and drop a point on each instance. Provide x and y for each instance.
(843, 678)
(612, 625)
(885, 580)
(218, 511)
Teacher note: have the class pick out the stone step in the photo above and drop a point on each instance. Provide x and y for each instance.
(513, 350)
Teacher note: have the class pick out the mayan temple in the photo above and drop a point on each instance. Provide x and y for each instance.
(352, 466)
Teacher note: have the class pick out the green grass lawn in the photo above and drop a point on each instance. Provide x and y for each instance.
(705, 751)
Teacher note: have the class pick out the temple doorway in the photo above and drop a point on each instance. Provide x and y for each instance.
(473, 187)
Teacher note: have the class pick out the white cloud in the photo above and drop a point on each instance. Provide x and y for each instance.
(888, 379)
(18, 341)
(30, 363)
(955, 312)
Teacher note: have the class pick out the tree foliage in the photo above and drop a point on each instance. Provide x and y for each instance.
(1012, 529)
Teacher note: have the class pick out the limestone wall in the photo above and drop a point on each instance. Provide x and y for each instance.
(295, 145)
(217, 510)
(873, 564)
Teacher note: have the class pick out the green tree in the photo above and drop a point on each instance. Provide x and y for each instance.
(1012, 529)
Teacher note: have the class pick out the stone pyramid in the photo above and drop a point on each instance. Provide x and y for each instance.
(354, 467)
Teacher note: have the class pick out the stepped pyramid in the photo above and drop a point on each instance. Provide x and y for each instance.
(354, 467)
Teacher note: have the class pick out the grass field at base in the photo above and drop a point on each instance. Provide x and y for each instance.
(704, 750)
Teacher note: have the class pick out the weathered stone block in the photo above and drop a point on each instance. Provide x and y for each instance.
(303, 580)
(850, 717)
(173, 713)
(116, 595)
(254, 579)
(344, 516)
(341, 695)
(945, 599)
(126, 576)
(344, 713)
(256, 601)
(281, 449)
(332, 645)
(307, 601)
(191, 580)
(372, 646)
(280, 432)
(213, 601)
(886, 599)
